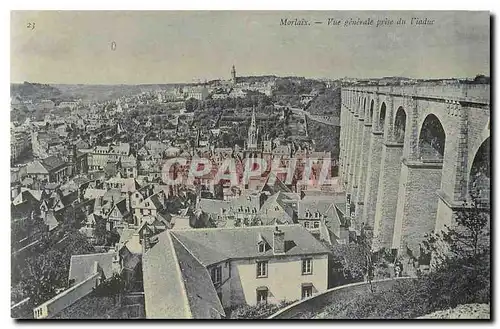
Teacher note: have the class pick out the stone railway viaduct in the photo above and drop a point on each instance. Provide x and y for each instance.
(408, 155)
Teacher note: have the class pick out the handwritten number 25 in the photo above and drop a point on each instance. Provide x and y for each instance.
(31, 25)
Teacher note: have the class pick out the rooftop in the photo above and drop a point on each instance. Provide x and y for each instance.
(213, 245)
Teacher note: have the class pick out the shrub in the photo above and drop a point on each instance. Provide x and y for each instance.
(260, 311)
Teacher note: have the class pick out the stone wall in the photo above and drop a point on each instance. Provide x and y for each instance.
(66, 298)
(340, 294)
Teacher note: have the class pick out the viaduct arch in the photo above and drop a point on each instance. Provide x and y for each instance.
(410, 156)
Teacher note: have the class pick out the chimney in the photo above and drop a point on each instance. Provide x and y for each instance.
(116, 264)
(146, 241)
(129, 201)
(278, 241)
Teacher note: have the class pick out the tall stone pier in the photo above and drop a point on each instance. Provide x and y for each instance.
(410, 156)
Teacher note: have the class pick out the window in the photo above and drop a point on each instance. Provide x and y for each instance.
(216, 274)
(306, 291)
(262, 247)
(38, 312)
(262, 269)
(316, 224)
(307, 224)
(307, 266)
(262, 295)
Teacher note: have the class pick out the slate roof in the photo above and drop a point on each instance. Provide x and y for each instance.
(201, 294)
(326, 207)
(112, 194)
(286, 208)
(120, 148)
(214, 245)
(28, 195)
(36, 167)
(21, 211)
(51, 221)
(164, 293)
(52, 162)
(82, 266)
(213, 206)
(323, 205)
(176, 281)
(126, 234)
(92, 193)
(176, 285)
(155, 202)
(277, 186)
(122, 207)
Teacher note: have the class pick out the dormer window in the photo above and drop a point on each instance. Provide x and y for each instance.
(216, 274)
(261, 247)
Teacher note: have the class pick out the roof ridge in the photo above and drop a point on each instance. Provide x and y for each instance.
(179, 276)
(94, 254)
(238, 228)
(186, 248)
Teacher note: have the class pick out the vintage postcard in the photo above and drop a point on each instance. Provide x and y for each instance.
(250, 165)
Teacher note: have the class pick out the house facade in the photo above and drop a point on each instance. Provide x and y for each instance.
(198, 273)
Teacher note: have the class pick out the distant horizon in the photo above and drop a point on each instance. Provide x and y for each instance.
(246, 76)
(173, 47)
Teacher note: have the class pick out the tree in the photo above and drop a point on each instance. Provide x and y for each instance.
(259, 311)
(103, 236)
(41, 275)
(111, 287)
(467, 241)
(365, 241)
(354, 261)
(191, 105)
(348, 263)
(481, 79)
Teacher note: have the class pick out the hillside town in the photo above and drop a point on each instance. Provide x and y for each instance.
(243, 165)
(186, 201)
(90, 179)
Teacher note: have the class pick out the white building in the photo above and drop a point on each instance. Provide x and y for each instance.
(199, 93)
(197, 273)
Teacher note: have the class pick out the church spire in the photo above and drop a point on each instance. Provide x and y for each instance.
(252, 133)
(253, 125)
(233, 75)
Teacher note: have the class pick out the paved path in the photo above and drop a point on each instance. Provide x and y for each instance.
(325, 119)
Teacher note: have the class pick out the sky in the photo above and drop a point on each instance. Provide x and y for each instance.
(74, 47)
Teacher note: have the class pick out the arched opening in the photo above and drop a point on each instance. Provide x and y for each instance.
(432, 139)
(400, 125)
(371, 111)
(480, 174)
(381, 117)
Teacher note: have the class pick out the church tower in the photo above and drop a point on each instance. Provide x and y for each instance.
(233, 75)
(252, 133)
